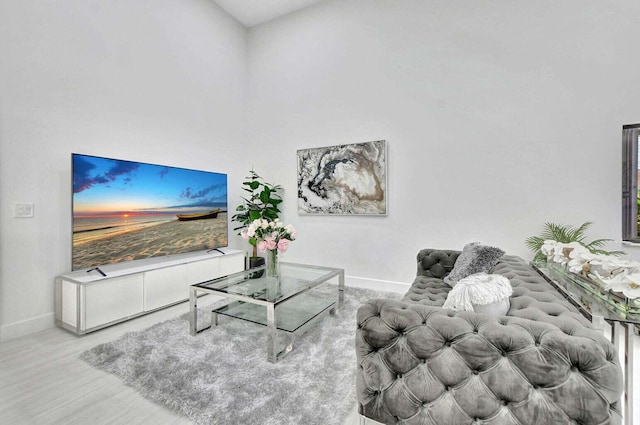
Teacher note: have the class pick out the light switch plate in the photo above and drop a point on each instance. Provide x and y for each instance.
(23, 211)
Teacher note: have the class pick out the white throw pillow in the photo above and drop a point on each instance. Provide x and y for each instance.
(482, 293)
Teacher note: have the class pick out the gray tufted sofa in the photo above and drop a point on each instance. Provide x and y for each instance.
(542, 363)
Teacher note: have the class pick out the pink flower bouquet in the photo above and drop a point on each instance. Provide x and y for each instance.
(269, 235)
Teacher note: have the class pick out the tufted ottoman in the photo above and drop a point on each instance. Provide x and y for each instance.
(542, 363)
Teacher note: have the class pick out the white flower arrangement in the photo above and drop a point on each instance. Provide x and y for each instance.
(615, 273)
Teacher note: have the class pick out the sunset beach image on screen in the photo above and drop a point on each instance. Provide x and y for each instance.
(127, 210)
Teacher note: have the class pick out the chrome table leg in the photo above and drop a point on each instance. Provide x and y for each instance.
(193, 311)
(628, 374)
(272, 334)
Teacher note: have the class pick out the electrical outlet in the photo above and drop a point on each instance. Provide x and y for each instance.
(23, 211)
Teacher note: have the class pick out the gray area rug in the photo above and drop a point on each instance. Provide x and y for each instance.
(222, 376)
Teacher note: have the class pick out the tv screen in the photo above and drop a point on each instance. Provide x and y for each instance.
(127, 210)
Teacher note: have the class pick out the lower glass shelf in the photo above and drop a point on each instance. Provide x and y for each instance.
(290, 315)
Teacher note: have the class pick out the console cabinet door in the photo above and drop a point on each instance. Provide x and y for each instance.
(165, 286)
(112, 299)
(201, 271)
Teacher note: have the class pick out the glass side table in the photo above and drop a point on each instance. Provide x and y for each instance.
(598, 311)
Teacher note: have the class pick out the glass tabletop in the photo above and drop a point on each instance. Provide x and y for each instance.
(254, 283)
(586, 301)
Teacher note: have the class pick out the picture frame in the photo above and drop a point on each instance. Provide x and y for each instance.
(348, 179)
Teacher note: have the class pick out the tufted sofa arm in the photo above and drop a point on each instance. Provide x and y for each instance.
(436, 262)
(421, 364)
(428, 287)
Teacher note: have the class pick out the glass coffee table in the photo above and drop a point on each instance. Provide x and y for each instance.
(284, 304)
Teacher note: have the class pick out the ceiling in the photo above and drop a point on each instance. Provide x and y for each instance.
(254, 12)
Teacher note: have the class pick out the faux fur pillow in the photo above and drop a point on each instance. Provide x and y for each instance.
(482, 293)
(474, 258)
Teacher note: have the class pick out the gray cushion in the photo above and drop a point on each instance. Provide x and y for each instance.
(475, 258)
(419, 363)
(427, 291)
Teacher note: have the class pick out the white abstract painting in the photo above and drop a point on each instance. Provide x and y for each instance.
(343, 179)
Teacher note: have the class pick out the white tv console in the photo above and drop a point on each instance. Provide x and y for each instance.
(86, 301)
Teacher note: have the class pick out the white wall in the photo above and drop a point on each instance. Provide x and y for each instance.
(158, 81)
(499, 116)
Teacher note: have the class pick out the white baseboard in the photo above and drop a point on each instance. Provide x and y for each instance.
(24, 327)
(379, 285)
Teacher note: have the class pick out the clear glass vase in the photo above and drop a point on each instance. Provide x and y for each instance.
(273, 269)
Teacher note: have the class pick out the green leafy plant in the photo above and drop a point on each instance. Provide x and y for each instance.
(261, 202)
(565, 234)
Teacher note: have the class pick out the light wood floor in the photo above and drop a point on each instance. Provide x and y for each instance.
(42, 381)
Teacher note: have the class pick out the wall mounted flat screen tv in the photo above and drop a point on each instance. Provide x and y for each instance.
(127, 210)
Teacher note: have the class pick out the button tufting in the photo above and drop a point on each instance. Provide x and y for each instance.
(502, 346)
